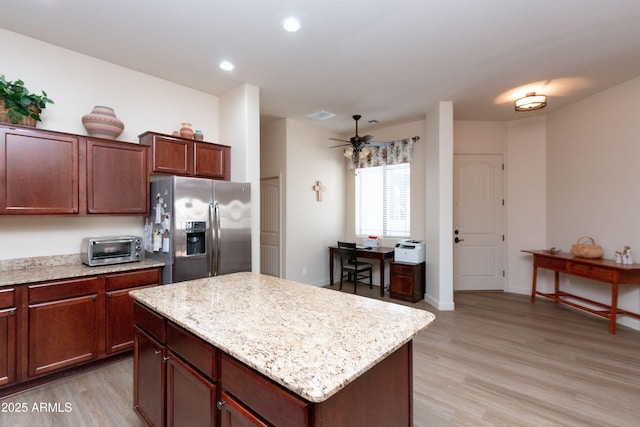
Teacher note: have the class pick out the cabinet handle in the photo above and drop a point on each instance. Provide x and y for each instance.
(94, 298)
(110, 295)
(12, 312)
(164, 359)
(157, 352)
(220, 404)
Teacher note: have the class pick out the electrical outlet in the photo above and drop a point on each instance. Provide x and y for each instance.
(304, 271)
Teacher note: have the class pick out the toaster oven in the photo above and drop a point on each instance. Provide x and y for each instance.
(111, 250)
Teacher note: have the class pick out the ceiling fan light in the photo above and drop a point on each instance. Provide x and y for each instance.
(348, 152)
(531, 102)
(365, 152)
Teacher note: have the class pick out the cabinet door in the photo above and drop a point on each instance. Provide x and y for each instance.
(119, 332)
(149, 379)
(117, 178)
(7, 337)
(120, 320)
(190, 396)
(62, 333)
(38, 172)
(172, 156)
(233, 414)
(211, 161)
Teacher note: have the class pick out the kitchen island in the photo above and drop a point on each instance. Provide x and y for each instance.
(257, 350)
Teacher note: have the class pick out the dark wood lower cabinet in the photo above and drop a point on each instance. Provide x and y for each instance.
(183, 391)
(149, 379)
(62, 324)
(8, 331)
(233, 414)
(407, 281)
(119, 316)
(49, 327)
(191, 397)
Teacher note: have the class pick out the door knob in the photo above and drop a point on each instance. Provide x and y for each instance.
(455, 232)
(458, 240)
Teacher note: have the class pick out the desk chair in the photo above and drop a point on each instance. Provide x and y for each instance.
(351, 268)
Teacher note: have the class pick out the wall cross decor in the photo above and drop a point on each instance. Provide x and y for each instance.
(319, 188)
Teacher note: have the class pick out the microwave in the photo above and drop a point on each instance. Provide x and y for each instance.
(111, 250)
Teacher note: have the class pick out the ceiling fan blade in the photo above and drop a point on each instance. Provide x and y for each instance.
(341, 140)
(341, 145)
(366, 138)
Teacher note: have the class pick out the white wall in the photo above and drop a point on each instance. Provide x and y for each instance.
(240, 128)
(76, 83)
(593, 182)
(526, 201)
(439, 207)
(300, 155)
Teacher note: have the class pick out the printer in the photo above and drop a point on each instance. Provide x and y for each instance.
(410, 251)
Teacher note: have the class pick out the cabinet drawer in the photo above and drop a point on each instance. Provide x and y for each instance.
(261, 395)
(193, 350)
(150, 322)
(403, 269)
(591, 272)
(7, 298)
(551, 264)
(132, 279)
(63, 289)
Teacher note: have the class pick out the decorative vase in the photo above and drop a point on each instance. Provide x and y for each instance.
(198, 135)
(102, 123)
(186, 131)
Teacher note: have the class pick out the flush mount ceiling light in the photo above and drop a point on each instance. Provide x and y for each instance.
(291, 24)
(226, 65)
(531, 102)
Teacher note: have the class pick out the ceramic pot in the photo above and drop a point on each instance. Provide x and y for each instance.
(186, 131)
(198, 135)
(102, 122)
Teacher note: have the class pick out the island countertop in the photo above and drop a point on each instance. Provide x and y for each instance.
(312, 341)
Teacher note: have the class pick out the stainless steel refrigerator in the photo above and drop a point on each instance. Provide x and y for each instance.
(198, 227)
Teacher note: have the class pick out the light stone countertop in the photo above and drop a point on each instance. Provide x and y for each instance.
(313, 341)
(41, 269)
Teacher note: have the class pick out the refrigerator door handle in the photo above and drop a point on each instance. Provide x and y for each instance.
(212, 251)
(217, 244)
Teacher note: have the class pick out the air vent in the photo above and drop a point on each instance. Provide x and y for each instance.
(321, 115)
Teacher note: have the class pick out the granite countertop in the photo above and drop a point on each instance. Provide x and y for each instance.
(312, 341)
(45, 268)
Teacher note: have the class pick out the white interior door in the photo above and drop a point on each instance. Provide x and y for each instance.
(478, 221)
(270, 226)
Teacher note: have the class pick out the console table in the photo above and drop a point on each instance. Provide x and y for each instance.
(380, 253)
(602, 270)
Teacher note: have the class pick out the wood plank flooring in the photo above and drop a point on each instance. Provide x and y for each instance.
(495, 361)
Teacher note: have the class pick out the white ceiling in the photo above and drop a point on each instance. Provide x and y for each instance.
(389, 60)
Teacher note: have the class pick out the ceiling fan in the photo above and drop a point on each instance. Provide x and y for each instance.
(357, 145)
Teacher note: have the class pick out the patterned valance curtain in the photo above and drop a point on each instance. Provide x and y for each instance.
(399, 151)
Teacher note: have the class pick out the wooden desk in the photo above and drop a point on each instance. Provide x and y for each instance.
(602, 270)
(381, 254)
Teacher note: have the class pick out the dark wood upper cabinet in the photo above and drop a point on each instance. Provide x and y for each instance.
(212, 161)
(117, 179)
(39, 172)
(179, 156)
(45, 172)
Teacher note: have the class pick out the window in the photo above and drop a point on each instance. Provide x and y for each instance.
(383, 200)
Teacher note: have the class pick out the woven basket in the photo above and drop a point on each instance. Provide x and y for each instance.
(586, 247)
(24, 121)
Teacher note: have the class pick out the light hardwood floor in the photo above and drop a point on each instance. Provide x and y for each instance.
(496, 360)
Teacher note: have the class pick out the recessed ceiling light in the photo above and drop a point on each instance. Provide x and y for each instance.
(226, 65)
(291, 24)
